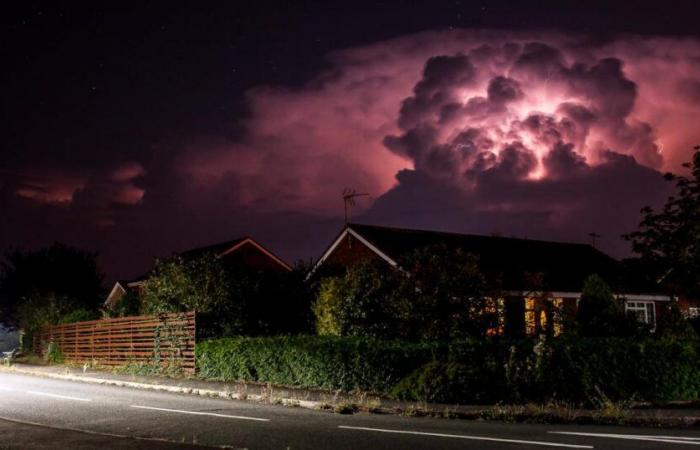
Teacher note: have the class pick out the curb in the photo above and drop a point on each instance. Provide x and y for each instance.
(412, 409)
(210, 393)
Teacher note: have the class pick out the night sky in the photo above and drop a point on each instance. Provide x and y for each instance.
(145, 129)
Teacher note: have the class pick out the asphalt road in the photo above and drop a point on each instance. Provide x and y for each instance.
(48, 413)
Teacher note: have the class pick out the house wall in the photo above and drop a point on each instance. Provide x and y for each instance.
(251, 256)
(350, 252)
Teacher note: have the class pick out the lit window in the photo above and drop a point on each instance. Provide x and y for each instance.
(644, 311)
(530, 317)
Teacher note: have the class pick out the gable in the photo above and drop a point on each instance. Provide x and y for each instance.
(249, 253)
(560, 266)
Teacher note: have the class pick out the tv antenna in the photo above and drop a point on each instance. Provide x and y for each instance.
(349, 196)
(593, 235)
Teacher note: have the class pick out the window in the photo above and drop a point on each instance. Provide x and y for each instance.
(644, 311)
(530, 318)
(693, 312)
(543, 315)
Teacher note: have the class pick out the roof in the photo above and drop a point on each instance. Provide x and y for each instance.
(214, 249)
(565, 265)
(220, 249)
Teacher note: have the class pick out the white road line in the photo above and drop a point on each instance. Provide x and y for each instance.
(198, 413)
(64, 397)
(472, 438)
(636, 437)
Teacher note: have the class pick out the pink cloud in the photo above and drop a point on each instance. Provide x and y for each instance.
(49, 186)
(304, 145)
(128, 171)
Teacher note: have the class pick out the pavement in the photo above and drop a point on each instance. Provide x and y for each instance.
(41, 412)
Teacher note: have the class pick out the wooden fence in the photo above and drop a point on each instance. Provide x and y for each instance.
(163, 339)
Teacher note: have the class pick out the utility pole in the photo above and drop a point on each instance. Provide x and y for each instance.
(349, 199)
(593, 235)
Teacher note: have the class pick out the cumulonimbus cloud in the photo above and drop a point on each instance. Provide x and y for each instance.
(458, 105)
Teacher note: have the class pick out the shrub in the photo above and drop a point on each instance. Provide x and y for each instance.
(600, 313)
(78, 315)
(312, 361)
(672, 324)
(439, 294)
(128, 305)
(589, 371)
(52, 354)
(443, 383)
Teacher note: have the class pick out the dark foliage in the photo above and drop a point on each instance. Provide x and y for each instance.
(438, 293)
(41, 286)
(600, 314)
(668, 241)
(572, 369)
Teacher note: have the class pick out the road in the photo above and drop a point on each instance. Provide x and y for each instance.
(48, 413)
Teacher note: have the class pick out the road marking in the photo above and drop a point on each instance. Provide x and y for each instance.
(64, 397)
(199, 413)
(636, 437)
(472, 438)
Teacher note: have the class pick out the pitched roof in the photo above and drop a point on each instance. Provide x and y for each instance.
(565, 265)
(219, 249)
(215, 249)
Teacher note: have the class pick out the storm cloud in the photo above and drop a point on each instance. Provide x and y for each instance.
(533, 134)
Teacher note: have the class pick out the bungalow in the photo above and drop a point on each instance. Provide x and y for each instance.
(243, 251)
(533, 274)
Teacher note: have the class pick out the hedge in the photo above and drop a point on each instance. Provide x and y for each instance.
(581, 370)
(312, 361)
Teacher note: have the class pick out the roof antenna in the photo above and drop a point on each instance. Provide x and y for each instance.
(349, 199)
(593, 235)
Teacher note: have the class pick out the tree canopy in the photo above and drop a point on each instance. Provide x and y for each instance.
(41, 286)
(668, 241)
(436, 294)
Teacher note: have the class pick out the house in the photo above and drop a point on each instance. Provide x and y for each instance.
(244, 251)
(535, 276)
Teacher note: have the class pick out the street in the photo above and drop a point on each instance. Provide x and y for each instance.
(46, 413)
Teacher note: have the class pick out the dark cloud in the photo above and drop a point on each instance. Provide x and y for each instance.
(575, 201)
(502, 90)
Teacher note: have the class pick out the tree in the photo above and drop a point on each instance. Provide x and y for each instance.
(668, 242)
(198, 284)
(452, 298)
(437, 294)
(600, 313)
(232, 299)
(40, 287)
(672, 324)
(369, 300)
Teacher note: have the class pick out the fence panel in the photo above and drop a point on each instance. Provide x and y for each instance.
(115, 342)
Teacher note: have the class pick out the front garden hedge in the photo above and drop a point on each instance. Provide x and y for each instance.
(569, 369)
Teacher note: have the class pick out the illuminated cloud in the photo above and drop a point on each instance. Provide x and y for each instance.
(128, 171)
(462, 106)
(98, 192)
(49, 186)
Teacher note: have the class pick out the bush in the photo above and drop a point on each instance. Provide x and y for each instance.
(78, 315)
(312, 361)
(441, 382)
(439, 294)
(52, 354)
(569, 369)
(672, 324)
(601, 314)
